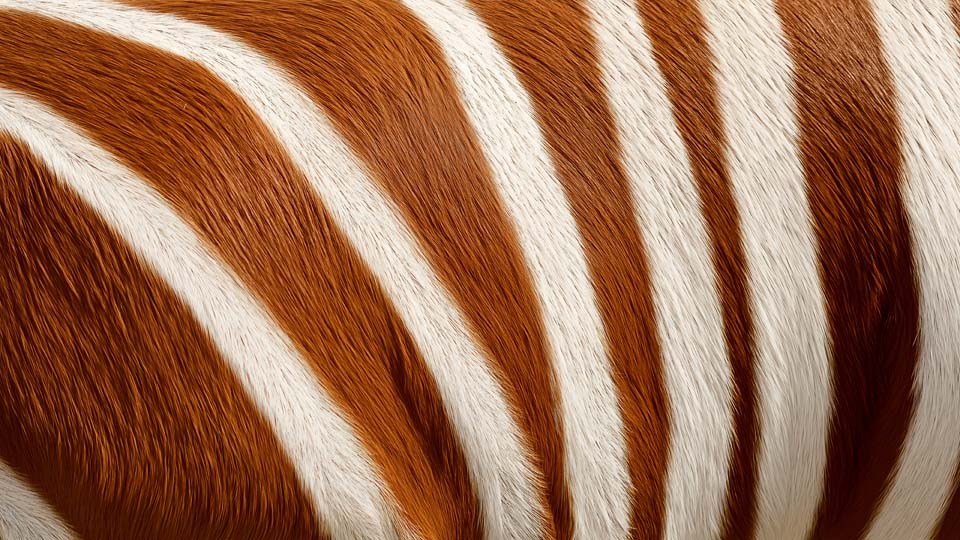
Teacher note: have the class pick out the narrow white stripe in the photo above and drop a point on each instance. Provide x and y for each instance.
(502, 115)
(24, 515)
(479, 412)
(667, 207)
(325, 453)
(923, 51)
(755, 73)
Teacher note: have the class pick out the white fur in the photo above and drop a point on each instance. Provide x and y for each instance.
(667, 206)
(503, 116)
(754, 77)
(24, 515)
(494, 451)
(329, 461)
(923, 51)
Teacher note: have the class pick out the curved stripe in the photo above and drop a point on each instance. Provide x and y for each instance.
(667, 205)
(923, 50)
(321, 445)
(383, 81)
(471, 396)
(754, 75)
(504, 118)
(553, 51)
(106, 375)
(582, 138)
(24, 514)
(236, 186)
(849, 144)
(678, 36)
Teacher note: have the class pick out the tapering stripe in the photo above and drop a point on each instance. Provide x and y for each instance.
(107, 375)
(502, 114)
(554, 53)
(382, 80)
(687, 308)
(921, 43)
(792, 366)
(471, 396)
(24, 514)
(331, 466)
(466, 268)
(202, 149)
(678, 36)
(849, 144)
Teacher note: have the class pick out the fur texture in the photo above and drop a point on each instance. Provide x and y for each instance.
(479, 269)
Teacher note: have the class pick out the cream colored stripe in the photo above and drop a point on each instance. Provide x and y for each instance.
(329, 461)
(502, 114)
(923, 50)
(754, 76)
(494, 451)
(689, 320)
(24, 515)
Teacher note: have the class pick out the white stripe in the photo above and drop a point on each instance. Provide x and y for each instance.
(321, 444)
(667, 206)
(474, 400)
(754, 76)
(503, 116)
(24, 515)
(923, 51)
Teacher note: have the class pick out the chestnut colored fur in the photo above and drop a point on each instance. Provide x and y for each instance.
(126, 418)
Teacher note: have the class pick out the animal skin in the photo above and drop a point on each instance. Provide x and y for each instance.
(501, 269)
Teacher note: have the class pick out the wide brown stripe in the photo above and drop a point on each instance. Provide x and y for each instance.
(552, 49)
(114, 403)
(383, 81)
(678, 35)
(202, 149)
(849, 142)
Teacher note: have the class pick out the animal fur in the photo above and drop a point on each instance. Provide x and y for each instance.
(592, 269)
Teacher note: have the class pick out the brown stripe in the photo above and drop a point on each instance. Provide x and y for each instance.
(205, 151)
(114, 403)
(849, 140)
(384, 82)
(678, 35)
(554, 52)
(955, 11)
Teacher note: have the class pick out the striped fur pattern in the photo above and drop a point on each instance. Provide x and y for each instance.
(415, 269)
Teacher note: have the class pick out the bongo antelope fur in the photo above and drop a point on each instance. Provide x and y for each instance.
(453, 269)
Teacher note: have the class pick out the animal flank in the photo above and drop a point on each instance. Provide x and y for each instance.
(456, 269)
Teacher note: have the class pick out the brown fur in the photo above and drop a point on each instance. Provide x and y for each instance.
(850, 148)
(203, 150)
(383, 81)
(124, 417)
(115, 404)
(552, 49)
(678, 37)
